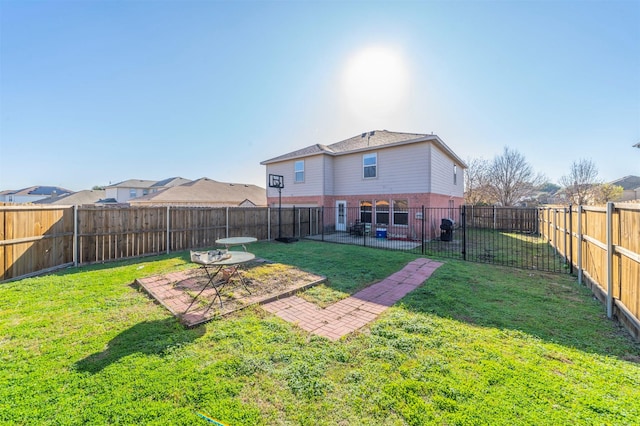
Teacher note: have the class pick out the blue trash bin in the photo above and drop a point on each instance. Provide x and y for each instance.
(381, 233)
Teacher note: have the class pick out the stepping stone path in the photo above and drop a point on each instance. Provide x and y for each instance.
(356, 311)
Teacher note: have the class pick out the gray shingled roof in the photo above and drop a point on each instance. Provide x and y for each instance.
(628, 182)
(174, 181)
(133, 183)
(365, 141)
(91, 196)
(41, 190)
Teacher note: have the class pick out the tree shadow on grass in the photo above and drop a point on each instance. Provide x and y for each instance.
(147, 337)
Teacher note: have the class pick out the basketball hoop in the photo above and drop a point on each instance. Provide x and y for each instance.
(276, 181)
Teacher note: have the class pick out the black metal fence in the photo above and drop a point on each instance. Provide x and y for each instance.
(508, 236)
(497, 235)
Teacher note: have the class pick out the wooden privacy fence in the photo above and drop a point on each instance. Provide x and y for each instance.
(512, 219)
(35, 239)
(603, 244)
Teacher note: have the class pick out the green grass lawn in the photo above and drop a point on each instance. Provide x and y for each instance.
(475, 345)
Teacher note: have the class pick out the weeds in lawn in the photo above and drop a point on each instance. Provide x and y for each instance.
(476, 344)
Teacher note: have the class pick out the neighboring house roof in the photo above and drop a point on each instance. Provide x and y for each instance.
(367, 141)
(169, 182)
(140, 183)
(207, 192)
(90, 196)
(627, 182)
(133, 183)
(40, 191)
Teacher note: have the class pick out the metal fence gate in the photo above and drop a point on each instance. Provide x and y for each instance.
(497, 235)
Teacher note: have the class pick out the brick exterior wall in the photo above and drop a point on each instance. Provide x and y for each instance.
(415, 200)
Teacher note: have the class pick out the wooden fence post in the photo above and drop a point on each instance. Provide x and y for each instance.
(564, 232)
(168, 230)
(494, 218)
(609, 260)
(75, 235)
(580, 244)
(227, 224)
(570, 239)
(555, 231)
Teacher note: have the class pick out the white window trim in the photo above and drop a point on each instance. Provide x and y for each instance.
(295, 172)
(393, 213)
(371, 154)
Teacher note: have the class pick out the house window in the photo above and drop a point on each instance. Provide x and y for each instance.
(133, 193)
(145, 191)
(455, 174)
(382, 212)
(369, 164)
(400, 212)
(365, 211)
(299, 171)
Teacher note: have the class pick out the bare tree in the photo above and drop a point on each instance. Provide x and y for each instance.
(511, 178)
(475, 182)
(579, 185)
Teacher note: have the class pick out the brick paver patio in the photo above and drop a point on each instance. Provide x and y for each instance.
(356, 311)
(176, 292)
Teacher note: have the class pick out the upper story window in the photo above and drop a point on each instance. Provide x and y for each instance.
(455, 174)
(370, 165)
(298, 169)
(133, 193)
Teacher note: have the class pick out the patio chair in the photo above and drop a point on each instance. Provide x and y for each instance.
(357, 228)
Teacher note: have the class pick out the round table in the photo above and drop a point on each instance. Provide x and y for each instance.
(236, 241)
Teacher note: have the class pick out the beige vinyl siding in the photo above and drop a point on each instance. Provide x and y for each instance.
(328, 164)
(123, 195)
(401, 169)
(313, 177)
(442, 174)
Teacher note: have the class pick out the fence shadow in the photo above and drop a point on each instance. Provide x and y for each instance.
(531, 303)
(147, 337)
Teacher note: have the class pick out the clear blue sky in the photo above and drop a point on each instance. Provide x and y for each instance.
(96, 92)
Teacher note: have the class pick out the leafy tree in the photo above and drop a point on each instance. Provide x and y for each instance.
(581, 182)
(550, 188)
(607, 192)
(97, 187)
(511, 178)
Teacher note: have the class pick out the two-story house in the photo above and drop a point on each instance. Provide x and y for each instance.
(33, 194)
(380, 174)
(122, 192)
